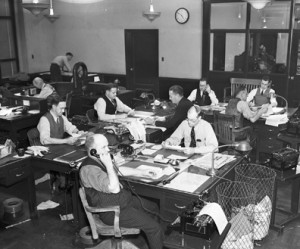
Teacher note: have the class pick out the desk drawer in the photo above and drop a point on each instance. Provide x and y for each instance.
(14, 173)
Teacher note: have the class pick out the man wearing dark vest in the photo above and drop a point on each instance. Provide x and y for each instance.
(238, 106)
(108, 105)
(99, 177)
(46, 89)
(262, 95)
(203, 95)
(53, 125)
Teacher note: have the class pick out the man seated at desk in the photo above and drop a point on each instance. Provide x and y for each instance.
(203, 95)
(198, 134)
(53, 125)
(238, 106)
(103, 188)
(46, 89)
(108, 105)
(183, 105)
(262, 95)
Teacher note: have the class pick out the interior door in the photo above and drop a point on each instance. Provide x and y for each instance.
(294, 79)
(141, 52)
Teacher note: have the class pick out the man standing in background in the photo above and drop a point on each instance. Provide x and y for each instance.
(58, 64)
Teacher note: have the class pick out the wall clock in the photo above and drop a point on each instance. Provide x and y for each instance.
(182, 15)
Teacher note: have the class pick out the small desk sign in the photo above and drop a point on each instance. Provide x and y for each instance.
(26, 103)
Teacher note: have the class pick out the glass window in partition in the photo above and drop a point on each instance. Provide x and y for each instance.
(268, 52)
(274, 16)
(228, 15)
(227, 52)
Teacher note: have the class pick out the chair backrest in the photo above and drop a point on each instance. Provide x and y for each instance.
(34, 137)
(250, 84)
(223, 125)
(92, 116)
(68, 103)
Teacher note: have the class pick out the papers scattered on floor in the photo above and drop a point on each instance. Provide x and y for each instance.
(47, 205)
(188, 182)
(275, 120)
(219, 160)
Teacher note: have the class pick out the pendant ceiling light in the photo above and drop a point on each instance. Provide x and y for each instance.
(51, 16)
(258, 4)
(35, 7)
(151, 14)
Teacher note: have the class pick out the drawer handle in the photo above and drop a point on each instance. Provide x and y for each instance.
(180, 207)
(18, 175)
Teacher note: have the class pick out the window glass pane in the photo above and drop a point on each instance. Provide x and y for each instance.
(4, 8)
(7, 47)
(227, 52)
(273, 16)
(228, 16)
(297, 16)
(268, 53)
(8, 68)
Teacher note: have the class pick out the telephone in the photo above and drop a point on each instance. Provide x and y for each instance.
(127, 150)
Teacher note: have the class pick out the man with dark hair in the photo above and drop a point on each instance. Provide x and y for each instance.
(238, 106)
(58, 64)
(182, 107)
(108, 105)
(103, 188)
(203, 95)
(263, 94)
(53, 125)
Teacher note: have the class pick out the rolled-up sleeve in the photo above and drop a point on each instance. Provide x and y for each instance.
(121, 107)
(68, 126)
(44, 129)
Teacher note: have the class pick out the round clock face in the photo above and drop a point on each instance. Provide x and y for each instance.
(182, 15)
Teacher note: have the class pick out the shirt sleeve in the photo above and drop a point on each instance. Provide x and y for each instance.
(273, 100)
(93, 177)
(213, 98)
(66, 64)
(121, 107)
(251, 95)
(242, 107)
(100, 107)
(44, 129)
(192, 96)
(45, 92)
(68, 126)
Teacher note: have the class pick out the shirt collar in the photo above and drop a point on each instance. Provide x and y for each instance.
(54, 115)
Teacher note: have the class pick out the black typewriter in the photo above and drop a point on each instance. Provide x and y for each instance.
(81, 122)
(293, 126)
(192, 224)
(284, 159)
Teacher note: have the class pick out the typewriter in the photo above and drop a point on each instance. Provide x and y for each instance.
(293, 126)
(192, 224)
(284, 159)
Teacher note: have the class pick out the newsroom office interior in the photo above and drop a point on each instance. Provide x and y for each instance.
(209, 44)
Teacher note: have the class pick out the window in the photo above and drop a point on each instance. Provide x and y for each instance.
(8, 48)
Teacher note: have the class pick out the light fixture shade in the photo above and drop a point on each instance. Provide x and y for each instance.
(51, 16)
(35, 8)
(151, 14)
(243, 146)
(258, 4)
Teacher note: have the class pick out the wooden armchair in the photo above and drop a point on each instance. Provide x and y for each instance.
(33, 136)
(100, 228)
(92, 116)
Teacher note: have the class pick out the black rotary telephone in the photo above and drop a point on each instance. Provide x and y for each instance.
(127, 150)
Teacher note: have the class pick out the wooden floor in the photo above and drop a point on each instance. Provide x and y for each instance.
(49, 232)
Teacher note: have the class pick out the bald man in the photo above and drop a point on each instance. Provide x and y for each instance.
(46, 89)
(198, 134)
(103, 188)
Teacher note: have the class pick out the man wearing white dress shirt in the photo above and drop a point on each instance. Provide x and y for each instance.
(203, 95)
(108, 105)
(198, 134)
(262, 95)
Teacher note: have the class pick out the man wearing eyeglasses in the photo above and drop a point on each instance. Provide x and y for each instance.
(262, 95)
(198, 134)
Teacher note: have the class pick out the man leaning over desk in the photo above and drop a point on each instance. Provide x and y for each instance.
(46, 89)
(198, 134)
(108, 105)
(53, 125)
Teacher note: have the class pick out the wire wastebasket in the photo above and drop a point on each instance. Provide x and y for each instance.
(237, 200)
(263, 179)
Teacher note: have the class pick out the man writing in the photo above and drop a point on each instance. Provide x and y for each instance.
(103, 188)
(198, 134)
(58, 65)
(108, 105)
(203, 95)
(46, 89)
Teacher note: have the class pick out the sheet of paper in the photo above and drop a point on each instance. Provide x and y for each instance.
(156, 147)
(173, 147)
(135, 146)
(215, 211)
(219, 160)
(188, 182)
(276, 120)
(148, 152)
(177, 157)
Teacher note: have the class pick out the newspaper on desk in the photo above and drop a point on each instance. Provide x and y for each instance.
(275, 120)
(206, 160)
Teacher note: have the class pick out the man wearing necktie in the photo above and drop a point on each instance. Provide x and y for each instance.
(263, 94)
(198, 134)
(109, 105)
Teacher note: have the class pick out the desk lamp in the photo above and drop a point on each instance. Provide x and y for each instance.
(242, 146)
(286, 102)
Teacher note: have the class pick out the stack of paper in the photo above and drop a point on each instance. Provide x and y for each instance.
(219, 160)
(276, 120)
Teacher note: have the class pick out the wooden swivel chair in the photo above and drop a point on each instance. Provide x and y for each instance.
(100, 228)
(33, 136)
(68, 104)
(92, 116)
